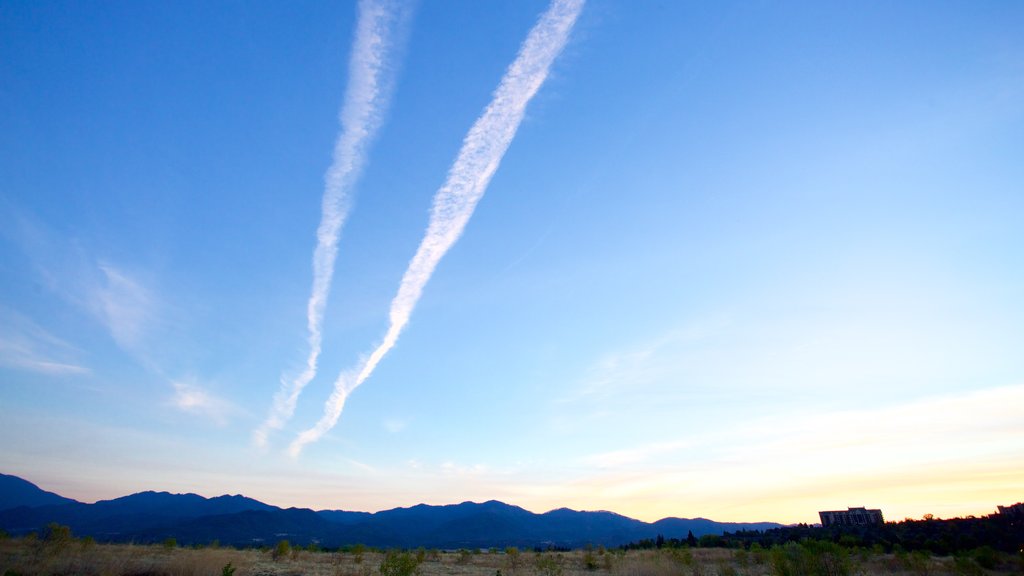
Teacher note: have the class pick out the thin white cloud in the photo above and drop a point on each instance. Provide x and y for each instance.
(366, 98)
(116, 297)
(124, 305)
(635, 455)
(194, 399)
(24, 345)
(478, 160)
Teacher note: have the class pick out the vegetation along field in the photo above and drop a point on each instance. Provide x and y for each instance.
(58, 553)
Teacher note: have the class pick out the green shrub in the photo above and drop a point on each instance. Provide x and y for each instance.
(964, 565)
(758, 553)
(397, 563)
(986, 557)
(227, 570)
(827, 558)
(57, 536)
(358, 551)
(281, 550)
(548, 564)
(170, 544)
(683, 555)
(512, 559)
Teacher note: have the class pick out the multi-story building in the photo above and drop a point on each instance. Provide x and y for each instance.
(1014, 511)
(851, 517)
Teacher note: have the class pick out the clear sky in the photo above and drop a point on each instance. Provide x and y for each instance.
(741, 260)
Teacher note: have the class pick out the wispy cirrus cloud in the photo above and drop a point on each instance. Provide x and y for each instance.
(116, 296)
(478, 160)
(24, 345)
(377, 38)
(192, 398)
(125, 306)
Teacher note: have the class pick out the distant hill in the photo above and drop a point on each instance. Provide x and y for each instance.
(242, 521)
(16, 492)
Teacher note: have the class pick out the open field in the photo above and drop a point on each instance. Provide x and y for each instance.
(26, 557)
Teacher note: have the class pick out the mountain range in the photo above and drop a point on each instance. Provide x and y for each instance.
(241, 521)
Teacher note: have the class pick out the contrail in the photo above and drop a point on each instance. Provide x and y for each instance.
(481, 153)
(361, 113)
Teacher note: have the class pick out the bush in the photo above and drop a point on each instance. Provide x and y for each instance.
(57, 536)
(986, 557)
(397, 563)
(512, 559)
(281, 550)
(758, 553)
(548, 564)
(827, 558)
(357, 553)
(683, 556)
(966, 566)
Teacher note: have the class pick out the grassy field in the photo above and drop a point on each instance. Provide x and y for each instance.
(28, 558)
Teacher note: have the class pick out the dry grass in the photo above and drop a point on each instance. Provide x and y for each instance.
(27, 558)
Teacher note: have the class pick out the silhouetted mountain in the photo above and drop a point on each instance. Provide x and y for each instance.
(179, 505)
(16, 492)
(343, 516)
(673, 527)
(250, 527)
(241, 521)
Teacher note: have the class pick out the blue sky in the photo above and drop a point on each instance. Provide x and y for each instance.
(741, 260)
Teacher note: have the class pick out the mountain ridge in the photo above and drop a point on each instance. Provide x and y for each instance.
(238, 520)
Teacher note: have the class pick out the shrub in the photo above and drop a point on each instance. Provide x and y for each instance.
(827, 558)
(227, 570)
(683, 556)
(170, 544)
(397, 563)
(57, 536)
(512, 559)
(281, 550)
(358, 551)
(966, 566)
(548, 564)
(986, 557)
(759, 554)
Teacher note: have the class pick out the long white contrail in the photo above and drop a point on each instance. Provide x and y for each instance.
(365, 100)
(481, 153)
